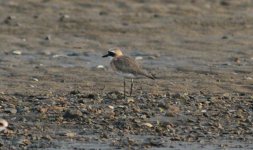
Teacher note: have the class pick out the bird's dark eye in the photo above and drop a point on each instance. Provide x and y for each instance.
(111, 53)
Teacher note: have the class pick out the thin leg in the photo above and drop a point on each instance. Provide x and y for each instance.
(132, 84)
(124, 88)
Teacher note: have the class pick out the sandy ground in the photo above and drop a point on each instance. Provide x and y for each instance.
(55, 97)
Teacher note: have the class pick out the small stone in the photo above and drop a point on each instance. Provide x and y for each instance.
(203, 111)
(47, 53)
(156, 15)
(138, 58)
(111, 107)
(35, 79)
(112, 96)
(151, 57)
(17, 52)
(42, 110)
(154, 56)
(93, 96)
(220, 126)
(226, 95)
(82, 101)
(172, 111)
(23, 141)
(48, 37)
(148, 125)
(10, 17)
(58, 55)
(3, 124)
(100, 67)
(75, 92)
(224, 3)
(104, 135)
(71, 114)
(11, 20)
(224, 37)
(11, 110)
(102, 13)
(35, 137)
(248, 78)
(73, 54)
(64, 17)
(237, 60)
(70, 134)
(163, 104)
(156, 142)
(130, 100)
(47, 137)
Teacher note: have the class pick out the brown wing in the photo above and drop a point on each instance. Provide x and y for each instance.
(126, 64)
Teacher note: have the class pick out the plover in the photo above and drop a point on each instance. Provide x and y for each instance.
(126, 67)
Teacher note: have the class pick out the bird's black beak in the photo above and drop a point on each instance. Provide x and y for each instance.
(106, 55)
(110, 53)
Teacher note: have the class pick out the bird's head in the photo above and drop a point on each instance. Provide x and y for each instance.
(114, 52)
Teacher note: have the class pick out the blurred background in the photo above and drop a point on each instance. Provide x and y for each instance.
(41, 39)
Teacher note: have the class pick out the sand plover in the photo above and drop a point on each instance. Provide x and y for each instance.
(126, 67)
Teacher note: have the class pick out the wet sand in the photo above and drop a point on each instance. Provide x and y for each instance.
(55, 96)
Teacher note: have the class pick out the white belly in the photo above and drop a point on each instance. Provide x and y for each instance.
(127, 75)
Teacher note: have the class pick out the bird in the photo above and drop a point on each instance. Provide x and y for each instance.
(126, 66)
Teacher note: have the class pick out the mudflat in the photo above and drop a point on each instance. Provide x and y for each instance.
(57, 92)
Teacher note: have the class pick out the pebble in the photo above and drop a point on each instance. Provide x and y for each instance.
(157, 142)
(74, 92)
(42, 110)
(64, 17)
(35, 79)
(16, 52)
(248, 78)
(102, 13)
(73, 113)
(148, 125)
(130, 100)
(138, 58)
(113, 96)
(23, 141)
(226, 95)
(93, 96)
(163, 104)
(48, 38)
(73, 54)
(10, 110)
(154, 56)
(237, 60)
(3, 124)
(203, 111)
(111, 107)
(70, 134)
(100, 67)
(47, 137)
(172, 111)
(11, 20)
